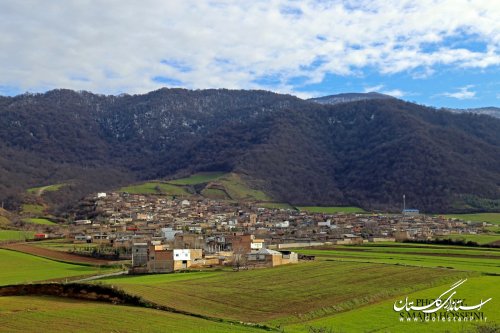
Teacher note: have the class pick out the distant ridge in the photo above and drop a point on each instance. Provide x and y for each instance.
(489, 111)
(350, 97)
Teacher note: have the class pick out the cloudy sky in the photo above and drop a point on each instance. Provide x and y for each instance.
(434, 52)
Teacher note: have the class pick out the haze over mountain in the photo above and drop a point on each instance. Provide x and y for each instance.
(490, 111)
(349, 97)
(367, 152)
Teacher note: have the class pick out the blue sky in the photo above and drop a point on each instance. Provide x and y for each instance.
(444, 53)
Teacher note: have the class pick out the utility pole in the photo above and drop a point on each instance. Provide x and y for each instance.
(404, 203)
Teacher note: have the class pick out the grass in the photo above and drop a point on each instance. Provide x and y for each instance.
(382, 318)
(50, 314)
(459, 258)
(41, 221)
(284, 294)
(198, 178)
(239, 189)
(7, 235)
(155, 188)
(331, 210)
(214, 193)
(479, 217)
(4, 222)
(479, 238)
(49, 188)
(275, 205)
(24, 268)
(32, 209)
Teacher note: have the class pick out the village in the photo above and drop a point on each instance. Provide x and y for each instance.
(164, 234)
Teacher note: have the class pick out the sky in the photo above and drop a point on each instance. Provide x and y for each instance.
(443, 53)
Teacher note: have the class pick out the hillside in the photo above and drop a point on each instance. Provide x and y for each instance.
(365, 153)
(489, 111)
(349, 97)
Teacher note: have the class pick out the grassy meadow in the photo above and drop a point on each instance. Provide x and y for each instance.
(155, 188)
(197, 178)
(49, 188)
(32, 209)
(20, 268)
(51, 314)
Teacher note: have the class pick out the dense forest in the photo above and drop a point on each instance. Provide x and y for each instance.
(368, 152)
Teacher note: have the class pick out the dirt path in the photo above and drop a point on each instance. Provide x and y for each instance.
(54, 255)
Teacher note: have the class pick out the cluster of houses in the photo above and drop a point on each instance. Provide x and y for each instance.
(244, 251)
(162, 233)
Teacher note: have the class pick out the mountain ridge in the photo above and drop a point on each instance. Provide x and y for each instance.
(366, 153)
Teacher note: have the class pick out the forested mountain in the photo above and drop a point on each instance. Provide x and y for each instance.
(365, 153)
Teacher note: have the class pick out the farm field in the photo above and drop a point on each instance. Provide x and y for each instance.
(331, 210)
(479, 238)
(155, 188)
(484, 260)
(197, 178)
(54, 255)
(18, 235)
(61, 245)
(52, 314)
(381, 317)
(285, 294)
(478, 217)
(24, 268)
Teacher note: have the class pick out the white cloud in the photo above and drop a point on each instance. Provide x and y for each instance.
(122, 45)
(462, 93)
(391, 92)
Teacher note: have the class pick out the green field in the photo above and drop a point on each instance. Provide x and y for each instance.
(42, 221)
(6, 235)
(155, 188)
(285, 294)
(51, 314)
(32, 209)
(331, 210)
(197, 178)
(381, 317)
(479, 238)
(239, 189)
(214, 193)
(275, 205)
(49, 188)
(24, 268)
(459, 258)
(479, 217)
